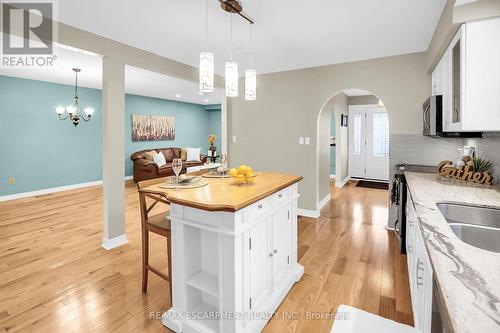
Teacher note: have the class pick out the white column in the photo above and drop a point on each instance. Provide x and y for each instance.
(113, 123)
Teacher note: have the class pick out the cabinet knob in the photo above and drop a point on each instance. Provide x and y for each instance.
(259, 206)
(280, 195)
(275, 251)
(271, 254)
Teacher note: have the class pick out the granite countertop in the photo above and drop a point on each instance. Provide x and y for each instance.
(468, 277)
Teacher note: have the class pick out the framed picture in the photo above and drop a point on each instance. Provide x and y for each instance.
(152, 128)
(343, 120)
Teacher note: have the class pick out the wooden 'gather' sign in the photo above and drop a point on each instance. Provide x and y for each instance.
(466, 173)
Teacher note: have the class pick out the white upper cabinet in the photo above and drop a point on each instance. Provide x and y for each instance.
(437, 79)
(468, 77)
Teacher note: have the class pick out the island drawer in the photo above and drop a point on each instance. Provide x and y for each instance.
(281, 196)
(256, 210)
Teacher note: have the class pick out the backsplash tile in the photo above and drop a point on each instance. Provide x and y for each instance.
(419, 149)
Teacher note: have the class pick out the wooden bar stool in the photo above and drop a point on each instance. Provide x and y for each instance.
(158, 224)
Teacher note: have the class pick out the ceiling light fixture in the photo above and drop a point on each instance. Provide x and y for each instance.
(206, 62)
(73, 111)
(231, 69)
(178, 95)
(251, 75)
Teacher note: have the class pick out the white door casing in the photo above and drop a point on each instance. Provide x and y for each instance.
(368, 142)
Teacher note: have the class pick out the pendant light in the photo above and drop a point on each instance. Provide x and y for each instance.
(251, 75)
(231, 70)
(206, 62)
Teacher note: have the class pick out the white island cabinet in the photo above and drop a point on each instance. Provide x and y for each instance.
(234, 254)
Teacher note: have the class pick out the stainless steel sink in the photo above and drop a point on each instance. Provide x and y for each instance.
(475, 225)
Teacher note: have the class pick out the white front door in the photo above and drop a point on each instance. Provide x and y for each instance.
(368, 142)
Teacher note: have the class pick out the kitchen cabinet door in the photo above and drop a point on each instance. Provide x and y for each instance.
(482, 75)
(453, 93)
(259, 263)
(280, 246)
(437, 80)
(424, 276)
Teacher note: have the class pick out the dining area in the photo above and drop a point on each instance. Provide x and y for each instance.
(231, 246)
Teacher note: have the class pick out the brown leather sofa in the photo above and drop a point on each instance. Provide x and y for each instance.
(146, 169)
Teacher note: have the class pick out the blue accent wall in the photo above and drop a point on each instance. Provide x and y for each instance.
(40, 151)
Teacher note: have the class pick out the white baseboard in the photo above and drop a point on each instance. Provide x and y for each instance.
(324, 201)
(332, 176)
(129, 177)
(52, 190)
(109, 244)
(48, 191)
(308, 213)
(342, 183)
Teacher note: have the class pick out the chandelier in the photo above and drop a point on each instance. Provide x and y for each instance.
(73, 112)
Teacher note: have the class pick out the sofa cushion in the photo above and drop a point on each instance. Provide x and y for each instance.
(169, 154)
(149, 155)
(165, 169)
(159, 159)
(183, 154)
(193, 154)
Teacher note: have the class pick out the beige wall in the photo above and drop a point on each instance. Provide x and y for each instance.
(450, 21)
(288, 106)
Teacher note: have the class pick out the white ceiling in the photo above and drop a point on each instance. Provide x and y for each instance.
(137, 81)
(356, 92)
(288, 34)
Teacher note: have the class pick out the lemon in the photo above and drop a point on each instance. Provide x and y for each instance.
(242, 169)
(240, 179)
(249, 172)
(249, 180)
(233, 172)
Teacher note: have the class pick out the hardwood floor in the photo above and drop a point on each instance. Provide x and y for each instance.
(55, 277)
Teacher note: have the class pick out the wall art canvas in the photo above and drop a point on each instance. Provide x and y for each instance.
(152, 128)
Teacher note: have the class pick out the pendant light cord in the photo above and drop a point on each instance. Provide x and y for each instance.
(231, 37)
(206, 24)
(251, 47)
(76, 84)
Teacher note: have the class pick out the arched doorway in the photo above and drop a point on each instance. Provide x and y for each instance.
(353, 125)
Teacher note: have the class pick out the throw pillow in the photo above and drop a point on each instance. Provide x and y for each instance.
(193, 154)
(160, 160)
(149, 155)
(183, 154)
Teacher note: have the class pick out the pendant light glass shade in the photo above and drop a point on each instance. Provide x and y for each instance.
(206, 72)
(231, 79)
(250, 85)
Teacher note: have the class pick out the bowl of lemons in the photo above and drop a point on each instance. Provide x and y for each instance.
(242, 175)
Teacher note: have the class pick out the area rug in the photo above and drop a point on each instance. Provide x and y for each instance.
(376, 185)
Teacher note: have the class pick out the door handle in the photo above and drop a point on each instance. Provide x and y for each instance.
(427, 125)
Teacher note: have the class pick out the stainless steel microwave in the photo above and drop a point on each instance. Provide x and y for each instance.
(433, 116)
(433, 120)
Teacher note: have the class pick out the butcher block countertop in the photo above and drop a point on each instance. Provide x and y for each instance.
(222, 195)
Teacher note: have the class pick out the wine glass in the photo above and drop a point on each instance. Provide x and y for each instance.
(177, 167)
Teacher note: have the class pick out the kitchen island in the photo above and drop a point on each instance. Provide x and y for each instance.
(234, 253)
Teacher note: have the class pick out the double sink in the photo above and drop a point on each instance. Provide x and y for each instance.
(475, 225)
